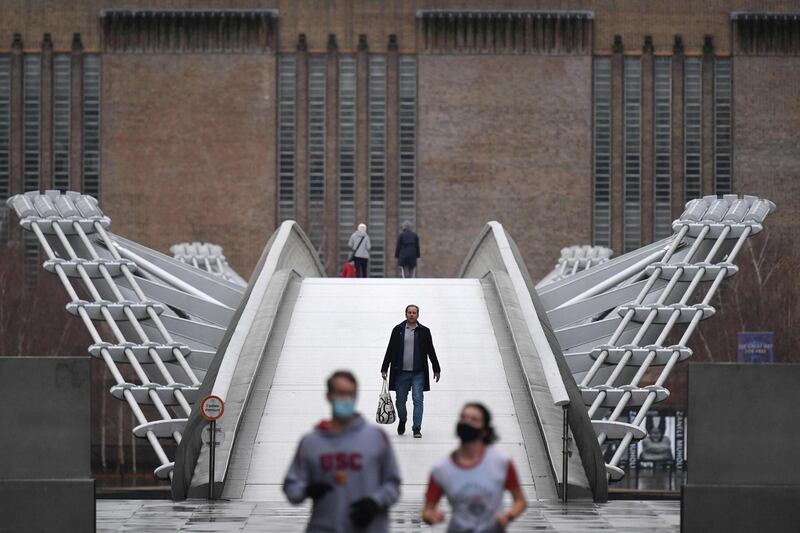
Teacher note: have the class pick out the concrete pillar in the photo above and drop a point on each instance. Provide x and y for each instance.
(677, 127)
(16, 115)
(392, 154)
(648, 170)
(76, 116)
(362, 130)
(46, 131)
(331, 156)
(45, 467)
(708, 115)
(743, 448)
(301, 133)
(617, 145)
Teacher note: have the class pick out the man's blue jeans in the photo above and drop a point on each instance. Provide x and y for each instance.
(416, 382)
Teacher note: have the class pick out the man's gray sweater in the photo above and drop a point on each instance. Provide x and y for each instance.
(358, 463)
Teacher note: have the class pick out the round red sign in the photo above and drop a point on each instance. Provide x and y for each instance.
(212, 407)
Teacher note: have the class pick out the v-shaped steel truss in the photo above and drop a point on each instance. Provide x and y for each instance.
(575, 259)
(613, 320)
(162, 317)
(166, 317)
(208, 257)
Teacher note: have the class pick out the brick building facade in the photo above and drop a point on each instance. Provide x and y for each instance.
(569, 122)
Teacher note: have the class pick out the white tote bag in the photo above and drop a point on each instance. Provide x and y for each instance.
(385, 414)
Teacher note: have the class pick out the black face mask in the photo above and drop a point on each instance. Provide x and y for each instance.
(467, 433)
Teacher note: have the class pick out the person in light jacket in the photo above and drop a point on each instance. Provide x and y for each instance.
(346, 466)
(359, 243)
(407, 251)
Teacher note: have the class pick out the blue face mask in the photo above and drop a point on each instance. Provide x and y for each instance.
(343, 408)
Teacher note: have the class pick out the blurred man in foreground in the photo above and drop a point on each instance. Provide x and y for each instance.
(346, 466)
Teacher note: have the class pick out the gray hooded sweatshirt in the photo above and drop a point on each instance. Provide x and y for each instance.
(359, 462)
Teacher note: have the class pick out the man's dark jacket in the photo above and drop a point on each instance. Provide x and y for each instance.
(423, 349)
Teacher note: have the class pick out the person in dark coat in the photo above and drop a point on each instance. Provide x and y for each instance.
(406, 360)
(407, 251)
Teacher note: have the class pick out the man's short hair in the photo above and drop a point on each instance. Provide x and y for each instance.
(415, 306)
(346, 374)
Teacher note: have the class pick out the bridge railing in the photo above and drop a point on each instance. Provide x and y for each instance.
(494, 258)
(288, 257)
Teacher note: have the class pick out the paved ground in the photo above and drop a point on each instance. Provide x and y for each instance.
(156, 516)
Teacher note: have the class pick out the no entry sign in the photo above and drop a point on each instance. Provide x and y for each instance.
(212, 407)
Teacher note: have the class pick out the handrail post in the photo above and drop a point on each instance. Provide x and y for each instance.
(565, 455)
(212, 443)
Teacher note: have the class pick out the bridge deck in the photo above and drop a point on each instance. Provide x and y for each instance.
(345, 324)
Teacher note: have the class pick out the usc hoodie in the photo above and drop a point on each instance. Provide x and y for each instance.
(357, 463)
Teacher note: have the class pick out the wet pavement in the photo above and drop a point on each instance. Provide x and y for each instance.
(155, 516)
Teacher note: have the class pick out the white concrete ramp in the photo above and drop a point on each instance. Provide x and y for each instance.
(345, 324)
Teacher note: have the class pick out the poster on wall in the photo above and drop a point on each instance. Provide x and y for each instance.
(680, 439)
(664, 445)
(755, 346)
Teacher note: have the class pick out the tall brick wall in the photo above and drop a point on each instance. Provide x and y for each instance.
(317, 18)
(189, 152)
(767, 134)
(162, 105)
(503, 138)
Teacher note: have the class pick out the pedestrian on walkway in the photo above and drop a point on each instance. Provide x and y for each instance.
(359, 243)
(474, 478)
(346, 466)
(407, 251)
(406, 360)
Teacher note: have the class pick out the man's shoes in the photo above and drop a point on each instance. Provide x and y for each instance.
(417, 433)
(401, 427)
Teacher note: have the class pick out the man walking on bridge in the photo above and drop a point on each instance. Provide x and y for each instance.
(346, 466)
(410, 347)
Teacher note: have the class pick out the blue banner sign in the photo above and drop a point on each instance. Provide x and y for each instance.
(754, 347)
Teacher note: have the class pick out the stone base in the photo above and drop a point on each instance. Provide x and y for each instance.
(728, 509)
(47, 505)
